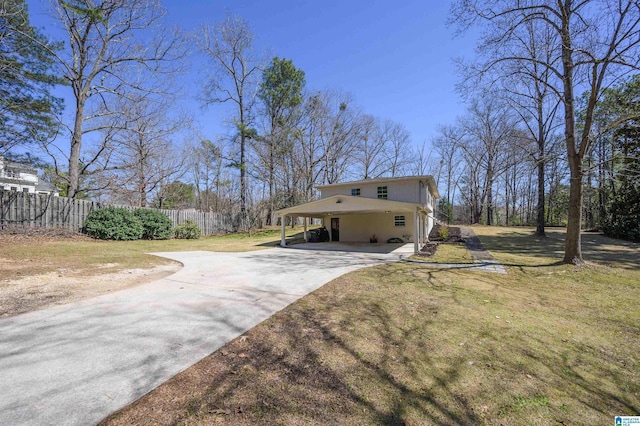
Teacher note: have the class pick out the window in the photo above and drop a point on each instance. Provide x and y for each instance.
(25, 190)
(355, 192)
(382, 192)
(399, 221)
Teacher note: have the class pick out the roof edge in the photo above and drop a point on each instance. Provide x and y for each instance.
(380, 179)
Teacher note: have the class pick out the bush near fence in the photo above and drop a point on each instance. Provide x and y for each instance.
(28, 210)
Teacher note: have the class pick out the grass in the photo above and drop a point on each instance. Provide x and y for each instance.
(452, 253)
(23, 257)
(408, 344)
(509, 245)
(448, 253)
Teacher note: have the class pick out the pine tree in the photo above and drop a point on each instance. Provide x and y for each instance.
(27, 108)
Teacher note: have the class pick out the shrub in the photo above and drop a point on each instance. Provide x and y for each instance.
(113, 223)
(187, 230)
(444, 232)
(155, 225)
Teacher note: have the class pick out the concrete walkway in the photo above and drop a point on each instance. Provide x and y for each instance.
(482, 259)
(479, 254)
(75, 364)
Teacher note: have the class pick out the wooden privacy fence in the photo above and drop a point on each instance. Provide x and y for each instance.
(20, 209)
(209, 223)
(28, 210)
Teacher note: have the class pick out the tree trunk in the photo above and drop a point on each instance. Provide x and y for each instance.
(540, 218)
(271, 173)
(573, 242)
(243, 173)
(74, 155)
(490, 204)
(541, 162)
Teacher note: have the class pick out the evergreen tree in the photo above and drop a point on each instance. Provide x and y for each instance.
(622, 217)
(27, 108)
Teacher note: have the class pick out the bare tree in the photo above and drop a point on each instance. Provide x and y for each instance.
(448, 147)
(595, 42)
(370, 156)
(423, 163)
(207, 170)
(233, 77)
(112, 46)
(528, 91)
(399, 149)
(142, 152)
(487, 130)
(338, 138)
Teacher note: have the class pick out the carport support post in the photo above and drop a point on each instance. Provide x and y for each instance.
(283, 239)
(416, 231)
(304, 220)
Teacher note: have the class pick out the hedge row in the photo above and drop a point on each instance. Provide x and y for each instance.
(116, 223)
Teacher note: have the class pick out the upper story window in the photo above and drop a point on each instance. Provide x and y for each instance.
(355, 192)
(382, 192)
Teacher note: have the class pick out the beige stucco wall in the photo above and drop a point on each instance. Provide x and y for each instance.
(360, 227)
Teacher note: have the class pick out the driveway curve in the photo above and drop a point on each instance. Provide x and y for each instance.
(75, 364)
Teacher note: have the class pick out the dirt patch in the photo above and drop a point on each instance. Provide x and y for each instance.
(65, 286)
(31, 280)
(39, 235)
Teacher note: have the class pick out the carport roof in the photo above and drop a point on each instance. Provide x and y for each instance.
(345, 204)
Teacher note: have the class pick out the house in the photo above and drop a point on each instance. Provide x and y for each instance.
(22, 178)
(380, 209)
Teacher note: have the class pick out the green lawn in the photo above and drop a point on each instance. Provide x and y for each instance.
(404, 343)
(82, 256)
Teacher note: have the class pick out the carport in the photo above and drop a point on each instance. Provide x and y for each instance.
(364, 217)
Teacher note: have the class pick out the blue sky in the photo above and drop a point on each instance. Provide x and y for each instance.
(394, 58)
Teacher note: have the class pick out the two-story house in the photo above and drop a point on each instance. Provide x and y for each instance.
(373, 209)
(22, 178)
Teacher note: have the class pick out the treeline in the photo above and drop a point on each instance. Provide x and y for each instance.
(551, 131)
(489, 167)
(550, 136)
(128, 144)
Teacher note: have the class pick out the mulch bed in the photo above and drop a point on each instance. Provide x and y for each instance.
(429, 249)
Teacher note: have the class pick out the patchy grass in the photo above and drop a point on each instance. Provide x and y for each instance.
(83, 256)
(447, 253)
(509, 244)
(408, 344)
(451, 253)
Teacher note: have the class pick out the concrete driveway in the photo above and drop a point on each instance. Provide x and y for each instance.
(75, 364)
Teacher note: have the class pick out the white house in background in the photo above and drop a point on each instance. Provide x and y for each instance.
(401, 207)
(22, 178)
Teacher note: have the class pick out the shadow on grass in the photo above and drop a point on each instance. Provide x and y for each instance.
(595, 246)
(399, 344)
(310, 364)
